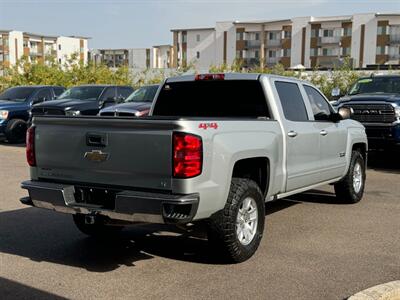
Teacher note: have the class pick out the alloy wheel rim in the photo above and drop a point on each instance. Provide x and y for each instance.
(246, 221)
(357, 178)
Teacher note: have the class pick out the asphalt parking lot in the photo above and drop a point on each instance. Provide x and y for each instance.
(313, 248)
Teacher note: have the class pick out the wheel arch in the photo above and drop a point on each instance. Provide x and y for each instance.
(256, 169)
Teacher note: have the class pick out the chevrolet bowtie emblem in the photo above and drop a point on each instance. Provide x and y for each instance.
(96, 156)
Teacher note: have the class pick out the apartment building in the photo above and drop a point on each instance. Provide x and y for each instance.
(310, 42)
(39, 47)
(156, 57)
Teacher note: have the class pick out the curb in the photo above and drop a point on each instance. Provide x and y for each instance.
(386, 291)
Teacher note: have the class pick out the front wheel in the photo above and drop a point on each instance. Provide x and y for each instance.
(15, 131)
(236, 231)
(351, 188)
(97, 230)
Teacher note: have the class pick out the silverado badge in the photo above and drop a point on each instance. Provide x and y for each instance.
(96, 156)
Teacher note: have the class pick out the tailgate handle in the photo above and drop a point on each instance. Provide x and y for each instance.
(96, 139)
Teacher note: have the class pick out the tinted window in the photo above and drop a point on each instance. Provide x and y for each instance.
(292, 101)
(144, 94)
(212, 98)
(389, 85)
(58, 91)
(82, 93)
(19, 94)
(124, 92)
(43, 95)
(320, 107)
(108, 93)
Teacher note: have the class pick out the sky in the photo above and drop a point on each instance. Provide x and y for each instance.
(144, 23)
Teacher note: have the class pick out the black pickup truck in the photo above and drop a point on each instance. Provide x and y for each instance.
(376, 104)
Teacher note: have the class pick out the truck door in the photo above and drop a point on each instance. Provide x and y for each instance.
(302, 138)
(332, 135)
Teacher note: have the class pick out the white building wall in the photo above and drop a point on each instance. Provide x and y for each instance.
(369, 39)
(206, 47)
(137, 58)
(220, 28)
(297, 39)
(16, 51)
(67, 46)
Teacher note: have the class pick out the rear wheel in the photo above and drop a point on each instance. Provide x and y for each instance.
(15, 131)
(351, 188)
(236, 231)
(98, 229)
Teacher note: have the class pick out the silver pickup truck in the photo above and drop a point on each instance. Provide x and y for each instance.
(214, 148)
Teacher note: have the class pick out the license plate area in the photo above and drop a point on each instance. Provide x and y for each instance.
(95, 197)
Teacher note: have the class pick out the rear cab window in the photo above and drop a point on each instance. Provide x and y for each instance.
(212, 98)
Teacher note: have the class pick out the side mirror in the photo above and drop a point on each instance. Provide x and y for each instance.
(39, 100)
(108, 102)
(345, 112)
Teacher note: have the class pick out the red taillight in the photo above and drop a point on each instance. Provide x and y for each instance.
(30, 146)
(188, 155)
(209, 77)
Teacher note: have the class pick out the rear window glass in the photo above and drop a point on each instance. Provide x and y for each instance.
(214, 98)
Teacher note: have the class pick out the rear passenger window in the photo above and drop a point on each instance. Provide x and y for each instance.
(320, 107)
(292, 101)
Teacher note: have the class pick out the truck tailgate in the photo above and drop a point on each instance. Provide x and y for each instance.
(114, 152)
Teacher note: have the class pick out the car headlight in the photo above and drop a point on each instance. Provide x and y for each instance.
(3, 114)
(397, 111)
(72, 113)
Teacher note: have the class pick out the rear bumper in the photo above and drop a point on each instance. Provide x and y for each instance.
(130, 206)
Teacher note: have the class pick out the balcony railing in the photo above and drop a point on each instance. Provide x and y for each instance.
(274, 43)
(329, 40)
(395, 38)
(273, 60)
(251, 61)
(394, 56)
(253, 43)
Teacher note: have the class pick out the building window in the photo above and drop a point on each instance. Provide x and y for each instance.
(197, 54)
(239, 36)
(314, 32)
(257, 36)
(25, 44)
(271, 53)
(382, 30)
(59, 60)
(59, 46)
(346, 51)
(313, 52)
(381, 50)
(239, 54)
(347, 32)
(1, 41)
(328, 33)
(198, 38)
(273, 36)
(286, 52)
(6, 57)
(1, 57)
(256, 54)
(287, 34)
(184, 38)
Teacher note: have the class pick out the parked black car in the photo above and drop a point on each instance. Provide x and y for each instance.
(138, 104)
(15, 104)
(375, 101)
(83, 100)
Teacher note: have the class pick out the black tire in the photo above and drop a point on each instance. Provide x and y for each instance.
(222, 227)
(344, 189)
(15, 131)
(97, 230)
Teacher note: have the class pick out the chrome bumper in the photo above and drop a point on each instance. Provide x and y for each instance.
(130, 206)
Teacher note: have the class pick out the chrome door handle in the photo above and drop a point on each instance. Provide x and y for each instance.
(292, 134)
(323, 132)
